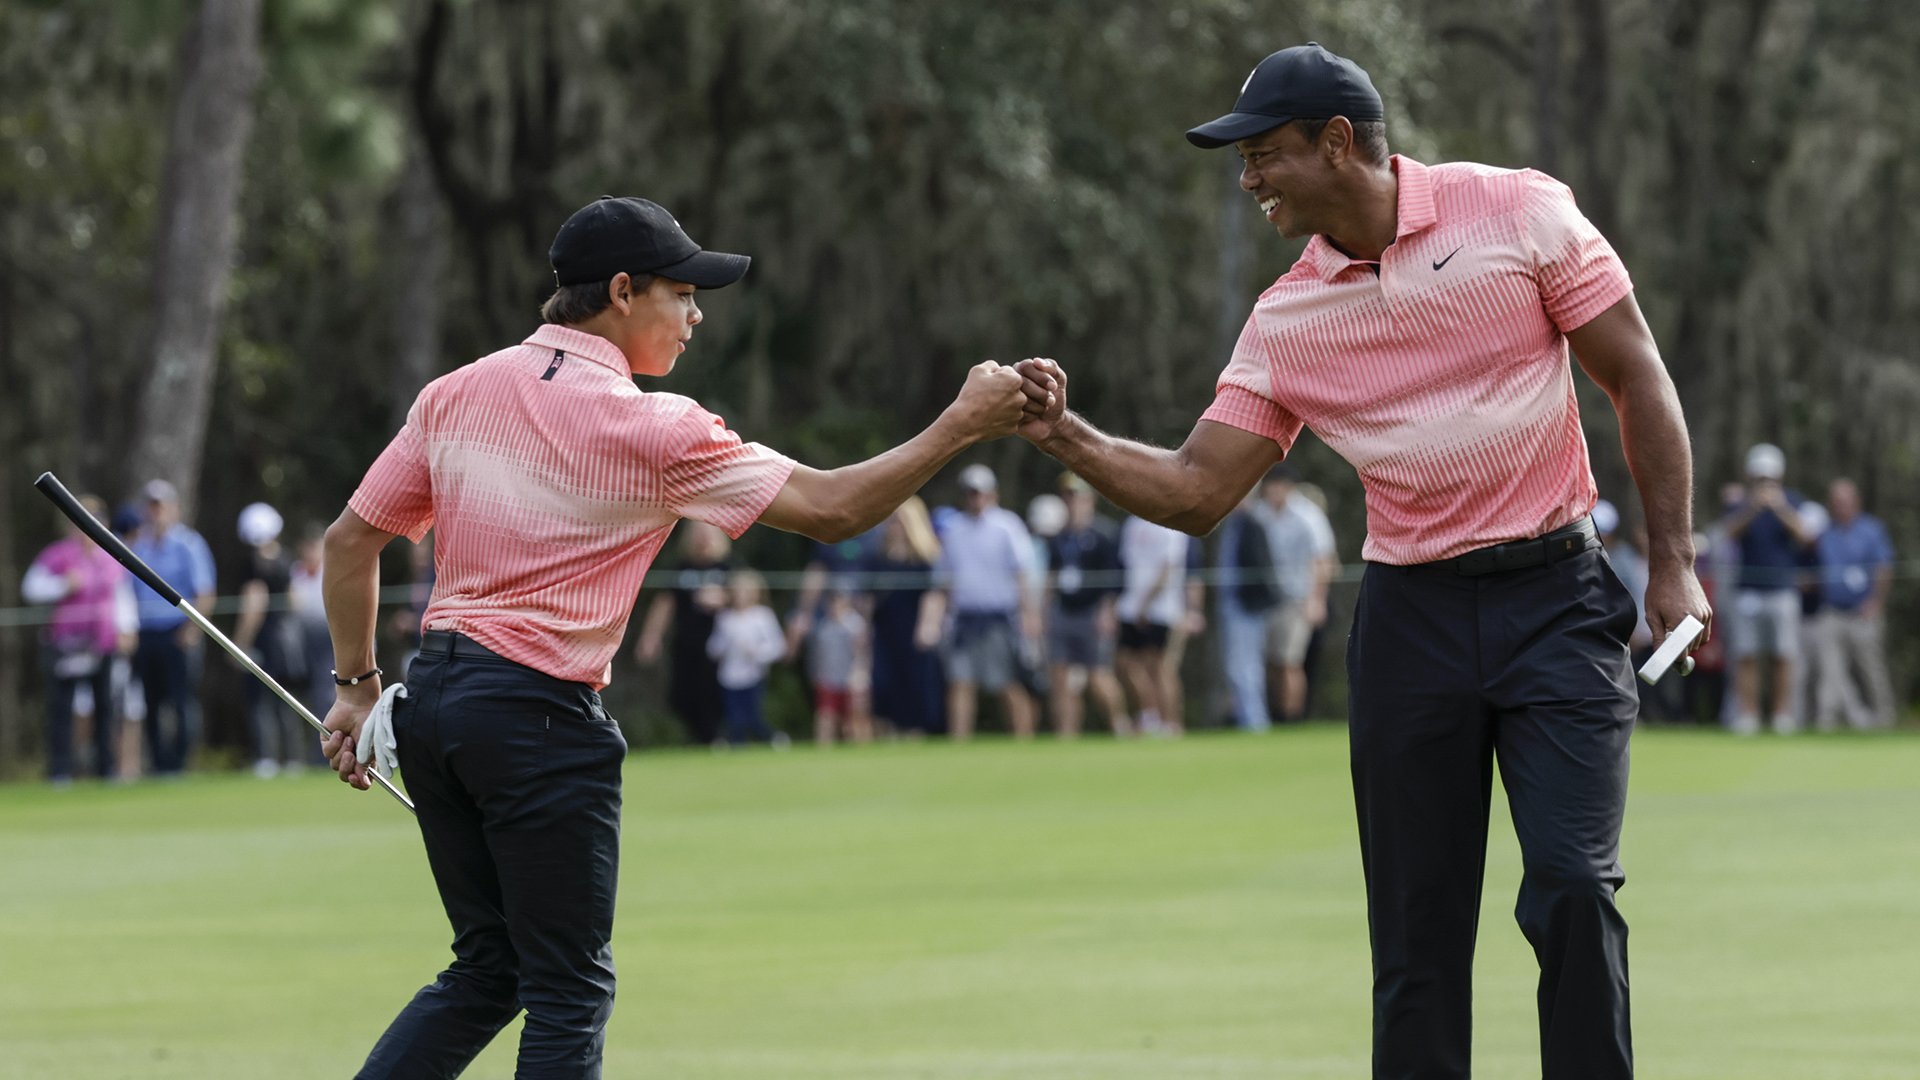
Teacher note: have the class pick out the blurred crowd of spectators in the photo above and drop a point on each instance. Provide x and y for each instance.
(123, 666)
(1799, 591)
(900, 631)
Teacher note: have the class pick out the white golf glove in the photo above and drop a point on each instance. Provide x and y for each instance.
(376, 735)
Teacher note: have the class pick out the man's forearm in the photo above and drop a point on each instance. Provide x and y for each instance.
(1653, 433)
(1166, 487)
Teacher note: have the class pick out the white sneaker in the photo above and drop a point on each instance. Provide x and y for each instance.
(780, 740)
(1786, 724)
(266, 768)
(1745, 724)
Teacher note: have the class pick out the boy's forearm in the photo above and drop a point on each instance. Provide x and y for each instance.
(351, 588)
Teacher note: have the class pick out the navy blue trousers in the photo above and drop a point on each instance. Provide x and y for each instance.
(1451, 675)
(517, 779)
(166, 674)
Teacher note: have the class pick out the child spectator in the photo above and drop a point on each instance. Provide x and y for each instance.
(833, 652)
(746, 641)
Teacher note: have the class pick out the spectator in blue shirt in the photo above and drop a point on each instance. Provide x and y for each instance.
(987, 575)
(1856, 570)
(1766, 602)
(168, 659)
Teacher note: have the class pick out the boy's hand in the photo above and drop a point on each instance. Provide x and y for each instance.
(991, 403)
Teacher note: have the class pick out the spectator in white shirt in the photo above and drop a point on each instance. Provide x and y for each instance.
(1301, 544)
(1152, 603)
(746, 640)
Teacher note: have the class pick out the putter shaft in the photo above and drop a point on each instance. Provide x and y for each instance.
(212, 631)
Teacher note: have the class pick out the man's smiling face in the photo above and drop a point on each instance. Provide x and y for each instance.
(1290, 176)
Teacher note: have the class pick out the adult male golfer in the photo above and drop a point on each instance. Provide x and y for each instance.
(1423, 334)
(551, 481)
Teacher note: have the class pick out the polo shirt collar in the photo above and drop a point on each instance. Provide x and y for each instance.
(586, 346)
(1414, 210)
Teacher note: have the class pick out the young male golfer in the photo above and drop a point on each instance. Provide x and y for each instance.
(1423, 334)
(551, 481)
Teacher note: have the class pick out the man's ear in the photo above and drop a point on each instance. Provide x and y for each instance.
(1336, 140)
(620, 293)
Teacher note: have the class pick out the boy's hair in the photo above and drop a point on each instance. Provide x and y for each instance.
(751, 580)
(571, 305)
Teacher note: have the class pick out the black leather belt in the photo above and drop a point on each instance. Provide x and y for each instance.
(449, 644)
(1561, 543)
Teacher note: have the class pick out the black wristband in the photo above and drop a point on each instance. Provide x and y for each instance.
(357, 679)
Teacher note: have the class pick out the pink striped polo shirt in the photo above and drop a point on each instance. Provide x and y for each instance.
(550, 481)
(1443, 378)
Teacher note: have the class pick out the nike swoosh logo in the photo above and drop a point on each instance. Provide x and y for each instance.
(1449, 258)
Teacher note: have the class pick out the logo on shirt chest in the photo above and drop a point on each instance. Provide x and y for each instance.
(1449, 258)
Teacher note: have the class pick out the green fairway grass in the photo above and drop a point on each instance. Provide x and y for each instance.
(1043, 912)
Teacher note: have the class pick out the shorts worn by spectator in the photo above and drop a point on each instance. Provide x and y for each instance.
(1083, 568)
(1766, 606)
(988, 571)
(1152, 603)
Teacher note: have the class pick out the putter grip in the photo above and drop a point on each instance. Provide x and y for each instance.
(1672, 651)
(53, 489)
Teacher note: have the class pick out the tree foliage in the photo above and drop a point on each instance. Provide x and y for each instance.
(923, 185)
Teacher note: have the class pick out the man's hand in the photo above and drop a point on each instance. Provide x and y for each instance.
(350, 708)
(991, 403)
(1673, 593)
(1045, 386)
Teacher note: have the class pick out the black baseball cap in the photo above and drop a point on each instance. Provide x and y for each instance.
(1304, 82)
(611, 235)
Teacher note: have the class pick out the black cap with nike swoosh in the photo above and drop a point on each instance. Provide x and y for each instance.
(1305, 82)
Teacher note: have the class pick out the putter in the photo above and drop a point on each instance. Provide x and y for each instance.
(53, 489)
(1678, 641)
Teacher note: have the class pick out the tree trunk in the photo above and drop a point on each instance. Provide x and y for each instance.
(423, 262)
(13, 639)
(1235, 255)
(200, 188)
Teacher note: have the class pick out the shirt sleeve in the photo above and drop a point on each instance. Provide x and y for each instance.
(1578, 272)
(42, 585)
(396, 495)
(1243, 396)
(710, 475)
(126, 610)
(200, 563)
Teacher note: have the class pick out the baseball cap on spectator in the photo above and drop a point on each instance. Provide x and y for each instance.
(1767, 462)
(978, 478)
(161, 492)
(1814, 518)
(127, 518)
(1072, 484)
(1046, 515)
(1606, 518)
(260, 524)
(635, 236)
(1305, 82)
